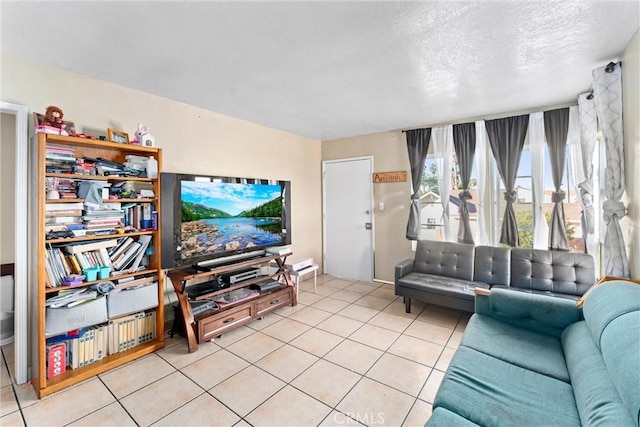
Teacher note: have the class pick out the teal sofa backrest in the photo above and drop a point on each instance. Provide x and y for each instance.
(612, 314)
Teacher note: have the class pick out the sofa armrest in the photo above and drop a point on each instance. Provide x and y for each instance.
(403, 268)
(541, 313)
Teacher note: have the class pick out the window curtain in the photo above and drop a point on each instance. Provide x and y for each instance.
(576, 165)
(588, 146)
(556, 127)
(536, 148)
(417, 146)
(607, 90)
(483, 232)
(506, 138)
(464, 141)
(443, 150)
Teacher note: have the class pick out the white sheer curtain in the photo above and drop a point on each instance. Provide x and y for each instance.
(607, 89)
(442, 138)
(590, 155)
(537, 146)
(483, 234)
(576, 164)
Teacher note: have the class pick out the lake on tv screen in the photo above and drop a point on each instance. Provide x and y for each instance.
(217, 235)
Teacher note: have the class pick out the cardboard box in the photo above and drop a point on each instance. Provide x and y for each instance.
(63, 319)
(132, 300)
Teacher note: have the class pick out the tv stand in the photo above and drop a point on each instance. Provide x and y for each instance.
(197, 267)
(210, 324)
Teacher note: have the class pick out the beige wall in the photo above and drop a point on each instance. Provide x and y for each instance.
(389, 151)
(7, 172)
(631, 118)
(194, 140)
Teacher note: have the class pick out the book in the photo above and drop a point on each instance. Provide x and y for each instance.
(145, 241)
(123, 260)
(75, 248)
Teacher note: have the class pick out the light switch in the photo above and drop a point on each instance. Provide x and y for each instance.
(381, 206)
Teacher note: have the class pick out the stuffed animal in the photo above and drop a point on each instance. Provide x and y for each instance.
(53, 117)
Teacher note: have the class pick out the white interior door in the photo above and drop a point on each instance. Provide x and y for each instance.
(347, 218)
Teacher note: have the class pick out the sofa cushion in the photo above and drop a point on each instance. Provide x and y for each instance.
(598, 400)
(492, 265)
(444, 259)
(489, 391)
(446, 418)
(540, 313)
(523, 347)
(554, 271)
(441, 285)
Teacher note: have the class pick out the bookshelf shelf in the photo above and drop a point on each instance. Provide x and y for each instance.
(97, 177)
(150, 321)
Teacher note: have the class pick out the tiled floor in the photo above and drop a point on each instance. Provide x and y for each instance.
(348, 355)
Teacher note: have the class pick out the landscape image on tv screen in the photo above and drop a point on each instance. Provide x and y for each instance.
(222, 217)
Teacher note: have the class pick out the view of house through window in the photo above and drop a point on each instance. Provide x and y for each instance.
(431, 213)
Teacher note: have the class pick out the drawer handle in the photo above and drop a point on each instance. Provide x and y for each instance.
(231, 319)
(275, 301)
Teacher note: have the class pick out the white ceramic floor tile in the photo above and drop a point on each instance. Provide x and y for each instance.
(204, 410)
(340, 325)
(374, 336)
(255, 347)
(137, 374)
(8, 402)
(286, 329)
(287, 362)
(317, 342)
(69, 405)
(327, 382)
(111, 415)
(417, 350)
(243, 392)
(400, 373)
(373, 403)
(215, 368)
(354, 356)
(156, 400)
(418, 415)
(289, 407)
(429, 332)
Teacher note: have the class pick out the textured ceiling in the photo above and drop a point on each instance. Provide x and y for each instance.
(332, 69)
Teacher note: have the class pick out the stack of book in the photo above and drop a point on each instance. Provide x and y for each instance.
(104, 220)
(63, 216)
(60, 159)
(138, 215)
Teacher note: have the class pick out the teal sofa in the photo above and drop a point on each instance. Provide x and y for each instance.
(536, 360)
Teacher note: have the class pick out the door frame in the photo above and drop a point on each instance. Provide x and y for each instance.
(324, 209)
(21, 239)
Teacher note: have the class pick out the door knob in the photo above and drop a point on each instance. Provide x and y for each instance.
(367, 226)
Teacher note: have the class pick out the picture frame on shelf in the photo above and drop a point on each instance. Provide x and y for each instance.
(38, 120)
(118, 136)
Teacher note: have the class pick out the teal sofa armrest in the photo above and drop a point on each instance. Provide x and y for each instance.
(536, 312)
(403, 268)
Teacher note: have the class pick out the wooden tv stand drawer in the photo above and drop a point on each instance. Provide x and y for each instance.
(273, 301)
(218, 324)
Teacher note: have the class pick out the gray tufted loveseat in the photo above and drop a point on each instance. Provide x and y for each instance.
(447, 273)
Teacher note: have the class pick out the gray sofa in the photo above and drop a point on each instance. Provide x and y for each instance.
(533, 360)
(446, 273)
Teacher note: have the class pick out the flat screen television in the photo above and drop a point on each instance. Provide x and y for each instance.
(210, 220)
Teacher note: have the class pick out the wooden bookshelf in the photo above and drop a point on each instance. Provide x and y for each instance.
(117, 153)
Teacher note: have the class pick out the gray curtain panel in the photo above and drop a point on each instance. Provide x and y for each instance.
(417, 146)
(588, 130)
(464, 141)
(506, 137)
(556, 126)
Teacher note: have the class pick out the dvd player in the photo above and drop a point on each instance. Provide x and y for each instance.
(240, 275)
